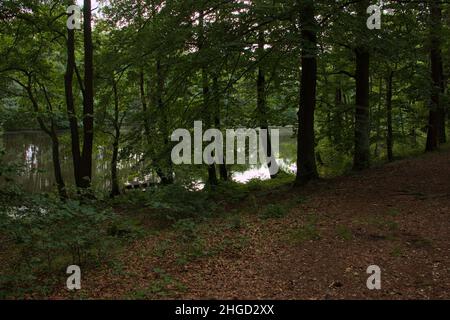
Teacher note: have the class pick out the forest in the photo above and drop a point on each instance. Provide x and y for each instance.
(338, 185)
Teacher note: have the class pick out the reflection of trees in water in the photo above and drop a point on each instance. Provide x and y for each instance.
(32, 150)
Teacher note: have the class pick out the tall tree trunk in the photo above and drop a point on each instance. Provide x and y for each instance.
(212, 174)
(223, 171)
(55, 150)
(88, 101)
(70, 104)
(115, 189)
(57, 166)
(338, 103)
(144, 104)
(389, 136)
(261, 103)
(165, 171)
(436, 110)
(306, 160)
(362, 113)
(51, 132)
(443, 109)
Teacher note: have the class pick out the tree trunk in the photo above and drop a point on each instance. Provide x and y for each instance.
(55, 150)
(212, 174)
(115, 189)
(362, 117)
(443, 110)
(144, 104)
(436, 110)
(338, 103)
(51, 132)
(261, 103)
(70, 104)
(389, 136)
(88, 101)
(306, 159)
(223, 171)
(165, 172)
(57, 167)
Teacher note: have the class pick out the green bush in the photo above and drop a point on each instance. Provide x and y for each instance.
(187, 229)
(179, 202)
(45, 236)
(47, 229)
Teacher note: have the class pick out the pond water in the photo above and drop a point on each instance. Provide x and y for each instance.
(31, 150)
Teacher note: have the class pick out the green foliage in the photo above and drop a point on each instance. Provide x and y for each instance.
(274, 211)
(307, 232)
(178, 202)
(7, 170)
(186, 228)
(47, 236)
(235, 222)
(332, 161)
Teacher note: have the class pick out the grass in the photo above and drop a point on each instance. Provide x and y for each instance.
(344, 233)
(274, 211)
(307, 232)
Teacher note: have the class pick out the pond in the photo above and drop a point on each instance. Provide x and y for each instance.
(31, 150)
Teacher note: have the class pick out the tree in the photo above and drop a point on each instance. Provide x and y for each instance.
(436, 120)
(306, 158)
(361, 158)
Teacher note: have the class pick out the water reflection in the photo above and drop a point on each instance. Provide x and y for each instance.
(32, 151)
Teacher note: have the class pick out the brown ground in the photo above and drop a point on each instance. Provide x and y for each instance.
(396, 216)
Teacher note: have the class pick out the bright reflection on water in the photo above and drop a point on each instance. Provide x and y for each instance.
(32, 151)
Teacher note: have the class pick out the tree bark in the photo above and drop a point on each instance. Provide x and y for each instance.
(212, 174)
(88, 101)
(70, 104)
(436, 110)
(55, 150)
(443, 110)
(306, 159)
(223, 171)
(144, 104)
(389, 136)
(165, 173)
(261, 103)
(338, 136)
(51, 132)
(57, 167)
(115, 189)
(362, 113)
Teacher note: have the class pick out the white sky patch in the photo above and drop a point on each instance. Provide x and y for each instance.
(93, 2)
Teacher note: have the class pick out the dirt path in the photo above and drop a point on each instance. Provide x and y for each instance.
(396, 216)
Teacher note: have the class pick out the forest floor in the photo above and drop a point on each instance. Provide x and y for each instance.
(314, 242)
